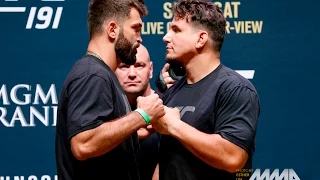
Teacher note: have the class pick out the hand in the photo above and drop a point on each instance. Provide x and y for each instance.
(168, 122)
(165, 74)
(152, 106)
(145, 132)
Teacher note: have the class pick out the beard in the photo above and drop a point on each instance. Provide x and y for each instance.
(172, 60)
(125, 50)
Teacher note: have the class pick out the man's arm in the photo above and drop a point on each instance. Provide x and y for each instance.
(100, 140)
(91, 129)
(235, 121)
(155, 175)
(211, 148)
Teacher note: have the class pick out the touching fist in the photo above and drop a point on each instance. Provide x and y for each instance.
(168, 122)
(152, 106)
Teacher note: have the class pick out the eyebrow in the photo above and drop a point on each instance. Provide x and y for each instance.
(140, 62)
(138, 24)
(174, 26)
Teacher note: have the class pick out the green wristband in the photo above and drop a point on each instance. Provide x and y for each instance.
(144, 115)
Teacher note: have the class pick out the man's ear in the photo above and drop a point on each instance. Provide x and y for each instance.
(202, 39)
(151, 70)
(112, 30)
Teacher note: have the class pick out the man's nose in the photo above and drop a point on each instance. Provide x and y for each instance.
(132, 72)
(166, 38)
(139, 40)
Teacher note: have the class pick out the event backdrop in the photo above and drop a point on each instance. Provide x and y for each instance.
(271, 42)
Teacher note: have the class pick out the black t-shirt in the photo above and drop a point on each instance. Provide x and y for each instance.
(222, 103)
(90, 96)
(149, 148)
(149, 156)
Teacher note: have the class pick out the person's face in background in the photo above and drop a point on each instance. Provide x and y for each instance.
(129, 38)
(135, 78)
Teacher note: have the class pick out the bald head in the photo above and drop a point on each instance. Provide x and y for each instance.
(134, 79)
(143, 54)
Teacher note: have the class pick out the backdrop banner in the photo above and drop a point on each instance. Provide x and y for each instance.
(272, 43)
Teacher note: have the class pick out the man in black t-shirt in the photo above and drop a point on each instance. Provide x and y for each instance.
(96, 132)
(209, 130)
(135, 81)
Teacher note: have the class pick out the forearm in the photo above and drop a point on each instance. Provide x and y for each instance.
(210, 148)
(155, 175)
(100, 140)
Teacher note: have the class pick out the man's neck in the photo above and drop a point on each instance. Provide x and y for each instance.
(105, 51)
(200, 66)
(148, 91)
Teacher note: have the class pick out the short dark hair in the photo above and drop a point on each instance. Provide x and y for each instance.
(102, 10)
(203, 14)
